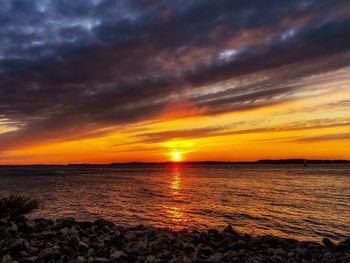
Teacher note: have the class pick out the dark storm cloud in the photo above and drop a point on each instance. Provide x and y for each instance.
(328, 137)
(70, 69)
(233, 129)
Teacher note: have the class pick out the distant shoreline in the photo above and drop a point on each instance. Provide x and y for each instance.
(265, 161)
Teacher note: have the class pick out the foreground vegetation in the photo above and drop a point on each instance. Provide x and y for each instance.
(13, 206)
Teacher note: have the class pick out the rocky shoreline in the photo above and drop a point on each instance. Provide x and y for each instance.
(67, 240)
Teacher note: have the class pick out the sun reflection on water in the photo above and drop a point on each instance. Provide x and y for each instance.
(174, 210)
(176, 182)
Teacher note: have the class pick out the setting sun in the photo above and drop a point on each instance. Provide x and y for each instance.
(176, 157)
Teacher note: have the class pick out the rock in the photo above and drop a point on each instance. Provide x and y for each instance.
(32, 250)
(85, 224)
(301, 251)
(187, 259)
(271, 241)
(345, 258)
(101, 260)
(150, 259)
(6, 259)
(327, 254)
(102, 241)
(46, 252)
(217, 257)
(166, 254)
(97, 243)
(91, 252)
(291, 254)
(175, 260)
(83, 245)
(276, 259)
(103, 223)
(19, 244)
(205, 250)
(344, 245)
(240, 244)
(130, 236)
(118, 254)
(140, 247)
(213, 233)
(229, 229)
(23, 254)
(189, 248)
(277, 251)
(28, 259)
(328, 243)
(64, 231)
(13, 228)
(73, 240)
(3, 221)
(66, 221)
(290, 241)
(56, 247)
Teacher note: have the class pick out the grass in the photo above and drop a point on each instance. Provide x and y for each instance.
(15, 205)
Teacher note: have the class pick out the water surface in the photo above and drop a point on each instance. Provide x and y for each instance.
(287, 200)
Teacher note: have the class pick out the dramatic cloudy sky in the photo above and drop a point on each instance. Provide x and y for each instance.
(136, 80)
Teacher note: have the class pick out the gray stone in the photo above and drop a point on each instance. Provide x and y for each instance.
(66, 221)
(118, 254)
(101, 260)
(291, 254)
(46, 252)
(301, 251)
(13, 228)
(28, 259)
(206, 250)
(277, 251)
(277, 259)
(328, 243)
(91, 252)
(83, 245)
(150, 259)
(217, 257)
(187, 259)
(6, 259)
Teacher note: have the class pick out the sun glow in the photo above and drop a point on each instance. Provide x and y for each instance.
(176, 156)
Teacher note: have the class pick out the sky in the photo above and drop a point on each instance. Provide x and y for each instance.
(101, 81)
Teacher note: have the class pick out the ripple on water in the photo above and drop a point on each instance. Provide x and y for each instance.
(288, 200)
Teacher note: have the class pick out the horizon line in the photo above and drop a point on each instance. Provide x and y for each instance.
(260, 161)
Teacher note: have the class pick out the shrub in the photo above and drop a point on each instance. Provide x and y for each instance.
(14, 205)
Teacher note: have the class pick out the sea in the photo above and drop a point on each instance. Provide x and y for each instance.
(305, 203)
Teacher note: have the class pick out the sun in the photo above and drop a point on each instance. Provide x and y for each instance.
(176, 156)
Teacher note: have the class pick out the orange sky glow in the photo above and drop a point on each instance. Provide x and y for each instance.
(315, 124)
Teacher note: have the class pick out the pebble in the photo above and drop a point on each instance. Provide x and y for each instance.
(118, 254)
(67, 240)
(83, 245)
(328, 243)
(101, 260)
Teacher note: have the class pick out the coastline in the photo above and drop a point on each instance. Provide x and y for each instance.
(68, 240)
